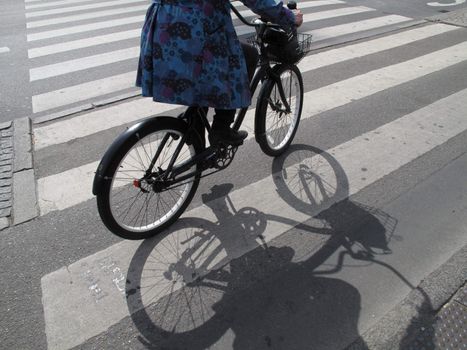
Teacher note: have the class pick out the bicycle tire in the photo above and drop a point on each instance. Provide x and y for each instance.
(274, 142)
(122, 176)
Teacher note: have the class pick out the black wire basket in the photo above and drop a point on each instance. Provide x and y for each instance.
(291, 50)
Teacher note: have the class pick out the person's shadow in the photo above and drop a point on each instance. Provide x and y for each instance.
(220, 285)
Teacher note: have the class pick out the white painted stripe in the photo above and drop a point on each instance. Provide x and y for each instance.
(346, 11)
(121, 55)
(81, 8)
(53, 70)
(108, 38)
(355, 27)
(312, 17)
(369, 47)
(302, 5)
(82, 43)
(75, 65)
(89, 287)
(324, 99)
(55, 3)
(4, 49)
(84, 28)
(57, 133)
(99, 120)
(74, 18)
(136, 19)
(72, 94)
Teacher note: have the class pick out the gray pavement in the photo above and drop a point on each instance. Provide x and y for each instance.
(456, 18)
(433, 316)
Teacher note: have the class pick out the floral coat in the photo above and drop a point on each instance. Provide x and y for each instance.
(190, 54)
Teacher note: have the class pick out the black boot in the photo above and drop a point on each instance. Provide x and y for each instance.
(221, 131)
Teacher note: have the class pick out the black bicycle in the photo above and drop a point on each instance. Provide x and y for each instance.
(150, 173)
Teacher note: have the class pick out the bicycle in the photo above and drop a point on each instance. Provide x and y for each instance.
(150, 173)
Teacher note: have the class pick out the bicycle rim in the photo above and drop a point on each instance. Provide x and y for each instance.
(134, 204)
(279, 125)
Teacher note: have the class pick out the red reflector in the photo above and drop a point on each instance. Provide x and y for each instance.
(136, 183)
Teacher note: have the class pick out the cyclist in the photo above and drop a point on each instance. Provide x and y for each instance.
(190, 55)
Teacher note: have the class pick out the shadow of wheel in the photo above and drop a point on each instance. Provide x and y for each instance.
(309, 179)
(171, 288)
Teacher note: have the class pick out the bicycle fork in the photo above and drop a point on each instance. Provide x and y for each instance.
(278, 81)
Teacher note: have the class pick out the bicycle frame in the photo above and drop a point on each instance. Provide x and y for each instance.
(264, 72)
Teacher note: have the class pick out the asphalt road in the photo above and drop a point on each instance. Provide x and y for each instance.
(298, 264)
(20, 90)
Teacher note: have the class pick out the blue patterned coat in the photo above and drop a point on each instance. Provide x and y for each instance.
(190, 54)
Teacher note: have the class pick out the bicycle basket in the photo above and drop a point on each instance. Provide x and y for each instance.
(284, 47)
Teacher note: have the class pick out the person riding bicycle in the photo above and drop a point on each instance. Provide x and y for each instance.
(190, 55)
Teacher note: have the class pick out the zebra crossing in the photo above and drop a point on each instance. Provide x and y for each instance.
(96, 292)
(81, 51)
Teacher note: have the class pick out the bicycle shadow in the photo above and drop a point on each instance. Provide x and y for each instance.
(206, 284)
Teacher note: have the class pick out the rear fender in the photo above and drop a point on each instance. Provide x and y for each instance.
(124, 140)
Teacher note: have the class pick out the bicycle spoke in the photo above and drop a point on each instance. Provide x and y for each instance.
(154, 201)
(280, 125)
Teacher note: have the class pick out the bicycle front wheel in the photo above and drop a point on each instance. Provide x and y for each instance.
(275, 125)
(137, 200)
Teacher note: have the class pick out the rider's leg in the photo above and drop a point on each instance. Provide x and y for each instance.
(198, 126)
(221, 130)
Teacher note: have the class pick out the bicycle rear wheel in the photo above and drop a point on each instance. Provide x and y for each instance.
(275, 127)
(135, 203)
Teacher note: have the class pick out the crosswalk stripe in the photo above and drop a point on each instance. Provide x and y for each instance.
(373, 46)
(125, 54)
(117, 36)
(62, 10)
(302, 5)
(126, 10)
(75, 18)
(381, 152)
(76, 93)
(83, 43)
(54, 3)
(79, 64)
(4, 49)
(312, 17)
(346, 11)
(360, 26)
(66, 130)
(84, 28)
(135, 19)
(46, 101)
(317, 16)
(324, 99)
(344, 29)
(98, 120)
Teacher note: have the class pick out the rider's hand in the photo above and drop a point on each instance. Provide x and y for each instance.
(298, 17)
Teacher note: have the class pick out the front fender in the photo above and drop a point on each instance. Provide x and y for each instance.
(123, 141)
